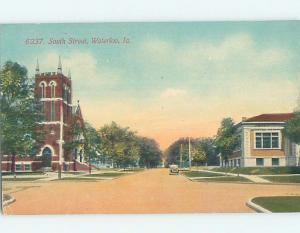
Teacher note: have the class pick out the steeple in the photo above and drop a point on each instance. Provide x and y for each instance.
(59, 67)
(37, 68)
(69, 74)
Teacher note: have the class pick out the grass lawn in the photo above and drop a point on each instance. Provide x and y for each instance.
(75, 179)
(22, 173)
(200, 174)
(21, 179)
(225, 179)
(279, 204)
(259, 170)
(283, 179)
(74, 173)
(106, 174)
(133, 169)
(6, 197)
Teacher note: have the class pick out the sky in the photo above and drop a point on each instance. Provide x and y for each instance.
(170, 80)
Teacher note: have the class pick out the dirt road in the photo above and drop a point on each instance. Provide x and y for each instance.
(152, 191)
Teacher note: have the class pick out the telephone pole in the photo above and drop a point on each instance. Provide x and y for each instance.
(190, 159)
(180, 163)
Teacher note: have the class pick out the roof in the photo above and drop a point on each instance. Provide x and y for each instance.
(274, 117)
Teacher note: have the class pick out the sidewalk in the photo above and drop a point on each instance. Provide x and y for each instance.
(253, 178)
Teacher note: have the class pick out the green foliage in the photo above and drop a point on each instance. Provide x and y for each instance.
(92, 141)
(202, 151)
(119, 144)
(292, 129)
(125, 148)
(198, 154)
(227, 139)
(150, 154)
(20, 112)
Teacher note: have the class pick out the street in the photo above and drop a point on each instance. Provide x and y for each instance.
(150, 191)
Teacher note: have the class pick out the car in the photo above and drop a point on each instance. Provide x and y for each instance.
(173, 169)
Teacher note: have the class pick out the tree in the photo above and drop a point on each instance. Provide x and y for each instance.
(198, 154)
(20, 113)
(150, 154)
(202, 151)
(208, 146)
(119, 144)
(176, 151)
(292, 129)
(85, 135)
(92, 141)
(227, 139)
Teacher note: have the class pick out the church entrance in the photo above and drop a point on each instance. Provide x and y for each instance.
(47, 157)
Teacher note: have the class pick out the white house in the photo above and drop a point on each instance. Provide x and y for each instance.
(263, 144)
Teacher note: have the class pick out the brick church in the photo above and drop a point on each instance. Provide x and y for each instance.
(54, 91)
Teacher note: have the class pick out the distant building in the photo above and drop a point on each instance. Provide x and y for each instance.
(54, 91)
(263, 144)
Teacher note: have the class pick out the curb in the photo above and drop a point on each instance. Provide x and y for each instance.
(7, 202)
(257, 208)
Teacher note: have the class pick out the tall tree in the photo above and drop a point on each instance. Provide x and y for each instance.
(227, 139)
(292, 129)
(83, 134)
(119, 144)
(20, 113)
(92, 143)
(150, 154)
(198, 155)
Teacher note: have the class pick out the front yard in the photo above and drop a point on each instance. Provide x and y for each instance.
(192, 174)
(106, 174)
(22, 179)
(259, 170)
(283, 179)
(225, 179)
(281, 204)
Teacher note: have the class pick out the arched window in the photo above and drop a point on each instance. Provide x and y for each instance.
(52, 87)
(43, 89)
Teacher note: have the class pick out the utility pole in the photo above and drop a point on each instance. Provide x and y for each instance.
(190, 159)
(180, 163)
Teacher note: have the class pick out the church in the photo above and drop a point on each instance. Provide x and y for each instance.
(53, 90)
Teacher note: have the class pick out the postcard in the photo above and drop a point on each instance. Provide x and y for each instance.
(150, 117)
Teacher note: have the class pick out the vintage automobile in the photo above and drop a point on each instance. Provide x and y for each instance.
(173, 169)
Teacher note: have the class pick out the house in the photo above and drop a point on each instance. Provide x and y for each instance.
(53, 90)
(263, 143)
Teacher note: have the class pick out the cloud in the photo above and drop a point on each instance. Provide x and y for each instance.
(86, 69)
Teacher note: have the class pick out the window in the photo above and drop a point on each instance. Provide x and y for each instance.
(259, 162)
(52, 114)
(267, 140)
(52, 86)
(275, 161)
(27, 167)
(43, 90)
(19, 167)
(42, 106)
